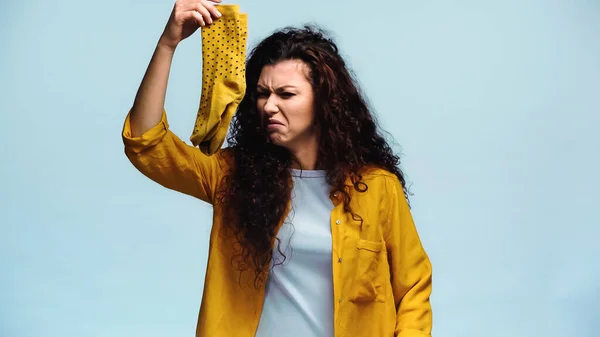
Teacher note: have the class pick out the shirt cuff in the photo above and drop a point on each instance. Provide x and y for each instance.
(146, 140)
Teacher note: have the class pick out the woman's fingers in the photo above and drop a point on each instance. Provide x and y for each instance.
(204, 12)
(205, 8)
(213, 10)
(198, 18)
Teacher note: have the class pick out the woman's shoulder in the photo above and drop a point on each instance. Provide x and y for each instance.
(382, 180)
(378, 174)
(226, 158)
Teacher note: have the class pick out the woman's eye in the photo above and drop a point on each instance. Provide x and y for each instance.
(287, 94)
(261, 94)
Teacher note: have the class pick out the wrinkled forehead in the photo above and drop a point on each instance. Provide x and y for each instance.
(284, 73)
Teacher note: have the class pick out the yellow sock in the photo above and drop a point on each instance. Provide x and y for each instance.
(239, 65)
(223, 77)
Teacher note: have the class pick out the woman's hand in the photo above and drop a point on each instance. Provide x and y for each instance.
(187, 16)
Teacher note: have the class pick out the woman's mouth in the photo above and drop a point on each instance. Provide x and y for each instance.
(274, 122)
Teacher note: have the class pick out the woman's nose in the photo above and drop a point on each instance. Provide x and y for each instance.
(270, 106)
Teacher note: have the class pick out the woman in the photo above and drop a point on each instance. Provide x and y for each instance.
(312, 233)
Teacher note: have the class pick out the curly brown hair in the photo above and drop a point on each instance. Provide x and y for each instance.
(259, 187)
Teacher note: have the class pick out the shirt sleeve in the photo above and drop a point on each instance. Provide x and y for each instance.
(163, 157)
(410, 267)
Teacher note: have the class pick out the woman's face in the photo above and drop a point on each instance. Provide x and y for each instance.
(286, 105)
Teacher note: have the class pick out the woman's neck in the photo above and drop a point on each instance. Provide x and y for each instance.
(305, 155)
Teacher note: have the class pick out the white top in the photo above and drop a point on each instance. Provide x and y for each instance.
(299, 293)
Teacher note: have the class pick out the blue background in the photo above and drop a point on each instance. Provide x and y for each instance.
(495, 104)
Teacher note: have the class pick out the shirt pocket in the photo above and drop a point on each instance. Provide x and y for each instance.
(369, 281)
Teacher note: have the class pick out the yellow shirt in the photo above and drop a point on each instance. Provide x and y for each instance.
(381, 273)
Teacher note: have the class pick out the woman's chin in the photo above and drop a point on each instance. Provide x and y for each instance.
(277, 140)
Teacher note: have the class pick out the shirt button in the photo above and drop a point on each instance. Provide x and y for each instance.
(338, 221)
(340, 260)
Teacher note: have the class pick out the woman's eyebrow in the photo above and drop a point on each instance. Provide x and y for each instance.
(281, 88)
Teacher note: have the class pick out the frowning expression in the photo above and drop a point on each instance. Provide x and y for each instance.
(285, 101)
